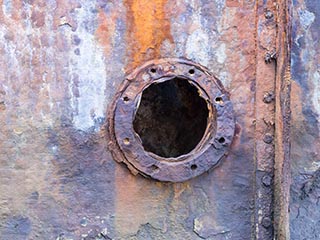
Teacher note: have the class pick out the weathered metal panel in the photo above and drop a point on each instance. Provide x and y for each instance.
(266, 21)
(62, 62)
(305, 189)
(61, 65)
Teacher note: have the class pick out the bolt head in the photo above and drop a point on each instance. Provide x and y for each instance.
(268, 14)
(268, 138)
(267, 180)
(266, 222)
(268, 97)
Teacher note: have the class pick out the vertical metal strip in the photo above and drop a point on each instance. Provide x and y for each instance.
(266, 52)
(282, 123)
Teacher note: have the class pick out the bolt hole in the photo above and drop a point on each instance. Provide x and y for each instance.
(191, 71)
(126, 141)
(194, 167)
(154, 168)
(126, 99)
(219, 100)
(153, 70)
(221, 140)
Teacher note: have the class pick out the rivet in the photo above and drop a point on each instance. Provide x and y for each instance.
(268, 138)
(268, 97)
(84, 222)
(268, 14)
(270, 56)
(267, 180)
(266, 222)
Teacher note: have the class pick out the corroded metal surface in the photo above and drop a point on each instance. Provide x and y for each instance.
(62, 63)
(282, 171)
(214, 143)
(305, 137)
(266, 21)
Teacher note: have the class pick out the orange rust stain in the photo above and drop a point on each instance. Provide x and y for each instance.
(106, 29)
(148, 27)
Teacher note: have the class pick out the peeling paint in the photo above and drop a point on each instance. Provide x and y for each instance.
(7, 7)
(197, 46)
(88, 75)
(316, 93)
(221, 55)
(306, 18)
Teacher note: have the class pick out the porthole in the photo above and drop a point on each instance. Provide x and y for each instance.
(173, 127)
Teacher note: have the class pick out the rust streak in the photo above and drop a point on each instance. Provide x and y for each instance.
(106, 30)
(148, 27)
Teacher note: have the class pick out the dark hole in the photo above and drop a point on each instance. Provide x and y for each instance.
(153, 70)
(193, 167)
(221, 140)
(154, 168)
(219, 100)
(191, 71)
(126, 99)
(171, 118)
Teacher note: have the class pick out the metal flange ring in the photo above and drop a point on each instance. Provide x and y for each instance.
(126, 145)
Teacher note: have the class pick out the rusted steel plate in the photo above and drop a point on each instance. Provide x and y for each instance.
(266, 51)
(62, 62)
(126, 144)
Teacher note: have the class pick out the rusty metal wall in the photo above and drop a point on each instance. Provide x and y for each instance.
(305, 137)
(61, 63)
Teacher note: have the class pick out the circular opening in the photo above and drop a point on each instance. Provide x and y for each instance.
(126, 99)
(191, 71)
(172, 118)
(219, 100)
(194, 167)
(153, 70)
(221, 140)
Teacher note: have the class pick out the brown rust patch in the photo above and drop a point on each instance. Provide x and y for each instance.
(106, 30)
(264, 115)
(38, 18)
(233, 3)
(282, 123)
(147, 28)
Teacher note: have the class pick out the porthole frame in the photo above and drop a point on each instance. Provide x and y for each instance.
(125, 144)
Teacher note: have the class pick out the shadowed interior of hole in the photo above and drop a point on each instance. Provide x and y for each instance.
(172, 118)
